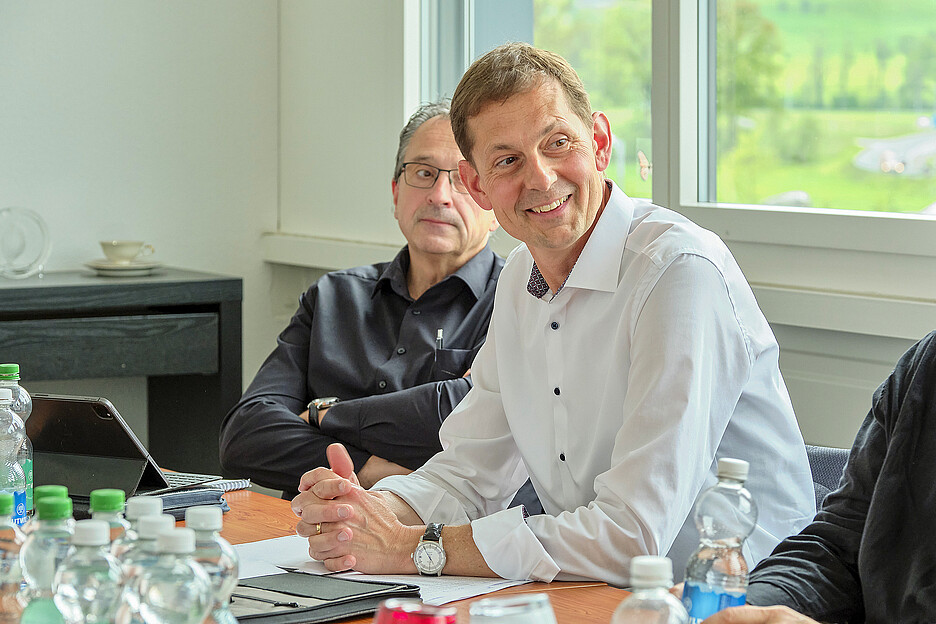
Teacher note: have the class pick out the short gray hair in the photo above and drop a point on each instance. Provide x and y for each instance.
(423, 114)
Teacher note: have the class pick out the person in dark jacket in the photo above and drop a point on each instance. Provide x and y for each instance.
(377, 356)
(870, 553)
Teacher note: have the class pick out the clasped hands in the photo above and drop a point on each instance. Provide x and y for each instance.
(349, 527)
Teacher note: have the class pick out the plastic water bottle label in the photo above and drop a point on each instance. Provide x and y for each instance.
(19, 507)
(703, 600)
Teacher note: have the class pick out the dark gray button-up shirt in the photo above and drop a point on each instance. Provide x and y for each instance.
(358, 335)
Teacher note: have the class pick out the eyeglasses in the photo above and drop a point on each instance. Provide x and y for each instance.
(421, 175)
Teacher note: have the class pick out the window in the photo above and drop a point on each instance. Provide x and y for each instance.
(827, 104)
(821, 103)
(608, 42)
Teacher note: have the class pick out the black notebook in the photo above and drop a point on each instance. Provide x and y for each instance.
(294, 598)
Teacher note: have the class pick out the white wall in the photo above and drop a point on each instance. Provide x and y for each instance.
(146, 119)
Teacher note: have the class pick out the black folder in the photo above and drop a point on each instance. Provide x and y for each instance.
(297, 598)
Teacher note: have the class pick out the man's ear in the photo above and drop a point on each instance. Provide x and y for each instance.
(601, 137)
(395, 190)
(472, 182)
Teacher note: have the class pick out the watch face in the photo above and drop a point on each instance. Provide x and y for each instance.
(429, 558)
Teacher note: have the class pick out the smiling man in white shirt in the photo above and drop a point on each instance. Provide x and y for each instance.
(626, 354)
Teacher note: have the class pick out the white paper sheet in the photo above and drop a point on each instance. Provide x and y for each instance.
(291, 553)
(260, 558)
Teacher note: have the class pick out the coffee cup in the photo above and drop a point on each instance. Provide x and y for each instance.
(124, 251)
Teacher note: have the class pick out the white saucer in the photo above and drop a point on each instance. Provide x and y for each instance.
(136, 268)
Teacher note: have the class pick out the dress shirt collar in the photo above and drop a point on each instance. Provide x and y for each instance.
(476, 273)
(598, 267)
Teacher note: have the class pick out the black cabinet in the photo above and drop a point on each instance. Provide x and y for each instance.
(179, 329)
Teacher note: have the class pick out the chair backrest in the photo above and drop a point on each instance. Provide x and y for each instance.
(827, 464)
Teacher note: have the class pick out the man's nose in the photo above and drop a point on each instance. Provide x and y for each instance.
(441, 191)
(538, 173)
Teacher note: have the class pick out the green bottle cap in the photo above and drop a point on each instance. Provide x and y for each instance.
(54, 508)
(6, 504)
(107, 499)
(50, 491)
(9, 371)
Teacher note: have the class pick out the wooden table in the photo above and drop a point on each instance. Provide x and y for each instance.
(256, 516)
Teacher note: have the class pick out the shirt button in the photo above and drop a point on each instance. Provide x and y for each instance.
(417, 312)
(556, 391)
(554, 325)
(561, 456)
(401, 350)
(381, 384)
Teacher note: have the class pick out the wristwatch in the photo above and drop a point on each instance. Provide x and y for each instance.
(318, 405)
(429, 555)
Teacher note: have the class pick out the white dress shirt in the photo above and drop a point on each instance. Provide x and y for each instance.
(617, 396)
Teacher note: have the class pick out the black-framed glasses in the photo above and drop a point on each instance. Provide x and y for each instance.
(421, 175)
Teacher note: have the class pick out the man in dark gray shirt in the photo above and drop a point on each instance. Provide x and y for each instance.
(870, 553)
(377, 356)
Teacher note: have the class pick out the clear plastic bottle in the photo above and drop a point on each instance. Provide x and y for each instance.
(144, 549)
(45, 491)
(651, 602)
(43, 551)
(11, 577)
(87, 584)
(216, 556)
(139, 555)
(717, 574)
(10, 378)
(176, 589)
(12, 434)
(22, 407)
(137, 507)
(107, 504)
(651, 577)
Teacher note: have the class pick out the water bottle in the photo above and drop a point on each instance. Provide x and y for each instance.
(46, 491)
(43, 551)
(87, 584)
(140, 555)
(176, 589)
(12, 478)
(651, 577)
(22, 407)
(107, 504)
(216, 556)
(11, 577)
(137, 508)
(717, 574)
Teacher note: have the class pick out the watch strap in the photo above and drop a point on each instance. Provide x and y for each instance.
(433, 532)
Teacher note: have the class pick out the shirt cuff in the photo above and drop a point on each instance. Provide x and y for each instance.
(430, 502)
(510, 547)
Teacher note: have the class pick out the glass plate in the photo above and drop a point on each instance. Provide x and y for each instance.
(24, 242)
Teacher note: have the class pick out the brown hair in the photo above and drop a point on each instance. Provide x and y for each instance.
(505, 71)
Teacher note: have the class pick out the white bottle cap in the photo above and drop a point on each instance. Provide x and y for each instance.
(6, 394)
(729, 468)
(91, 533)
(647, 571)
(151, 526)
(204, 518)
(178, 541)
(140, 506)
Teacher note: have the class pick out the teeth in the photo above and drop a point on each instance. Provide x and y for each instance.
(550, 207)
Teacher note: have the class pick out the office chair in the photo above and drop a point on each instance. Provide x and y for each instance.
(827, 463)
